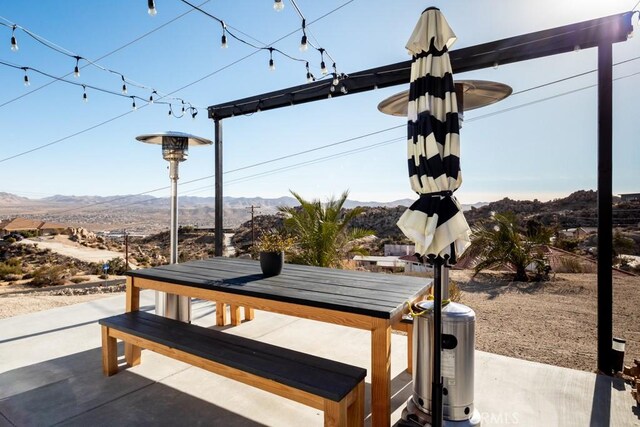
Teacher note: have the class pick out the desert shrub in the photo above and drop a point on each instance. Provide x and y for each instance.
(569, 264)
(10, 267)
(49, 276)
(103, 276)
(79, 279)
(10, 240)
(569, 245)
(117, 266)
(455, 294)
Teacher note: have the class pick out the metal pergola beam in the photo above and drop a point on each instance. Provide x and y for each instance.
(601, 33)
(587, 34)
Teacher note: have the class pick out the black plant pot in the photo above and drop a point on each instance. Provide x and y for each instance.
(271, 263)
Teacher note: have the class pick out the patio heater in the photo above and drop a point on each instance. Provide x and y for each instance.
(175, 149)
(458, 321)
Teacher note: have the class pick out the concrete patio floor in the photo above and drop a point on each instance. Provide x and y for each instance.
(51, 374)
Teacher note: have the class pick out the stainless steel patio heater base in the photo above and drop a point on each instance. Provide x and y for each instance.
(413, 416)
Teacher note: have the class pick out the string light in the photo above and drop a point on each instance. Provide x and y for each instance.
(343, 89)
(84, 94)
(278, 5)
(133, 104)
(170, 111)
(272, 65)
(152, 7)
(26, 77)
(323, 66)
(224, 36)
(14, 42)
(303, 41)
(194, 113)
(76, 70)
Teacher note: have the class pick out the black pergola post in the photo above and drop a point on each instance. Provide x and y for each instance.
(219, 233)
(605, 209)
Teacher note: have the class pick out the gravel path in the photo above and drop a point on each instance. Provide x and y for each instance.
(75, 250)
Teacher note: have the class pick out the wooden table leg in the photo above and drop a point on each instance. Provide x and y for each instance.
(131, 352)
(381, 373)
(235, 315)
(221, 314)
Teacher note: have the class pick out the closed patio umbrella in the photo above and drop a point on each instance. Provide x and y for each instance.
(435, 222)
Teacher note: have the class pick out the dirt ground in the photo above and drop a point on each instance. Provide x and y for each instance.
(549, 322)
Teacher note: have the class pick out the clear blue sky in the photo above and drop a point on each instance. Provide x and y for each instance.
(543, 151)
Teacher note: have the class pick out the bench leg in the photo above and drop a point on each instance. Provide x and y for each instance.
(109, 353)
(235, 315)
(355, 411)
(249, 313)
(221, 314)
(132, 354)
(335, 413)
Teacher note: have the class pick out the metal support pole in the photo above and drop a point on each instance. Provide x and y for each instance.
(173, 229)
(169, 305)
(218, 203)
(605, 209)
(436, 385)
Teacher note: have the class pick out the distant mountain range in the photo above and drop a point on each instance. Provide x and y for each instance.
(186, 202)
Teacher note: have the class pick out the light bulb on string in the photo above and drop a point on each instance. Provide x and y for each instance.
(278, 5)
(332, 88)
(14, 42)
(84, 94)
(344, 90)
(152, 7)
(170, 113)
(133, 104)
(194, 113)
(76, 70)
(223, 39)
(303, 43)
(182, 107)
(124, 86)
(151, 97)
(26, 77)
(323, 66)
(335, 80)
(272, 65)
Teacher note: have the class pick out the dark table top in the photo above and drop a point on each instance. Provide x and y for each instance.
(373, 294)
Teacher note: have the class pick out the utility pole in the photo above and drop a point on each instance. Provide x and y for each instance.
(126, 249)
(253, 229)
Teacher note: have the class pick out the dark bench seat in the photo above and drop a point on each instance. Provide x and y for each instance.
(334, 387)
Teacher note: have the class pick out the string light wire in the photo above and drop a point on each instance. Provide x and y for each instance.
(103, 56)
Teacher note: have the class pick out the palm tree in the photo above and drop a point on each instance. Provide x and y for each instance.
(500, 241)
(321, 230)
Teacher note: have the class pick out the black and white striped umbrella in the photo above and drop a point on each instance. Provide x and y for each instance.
(435, 222)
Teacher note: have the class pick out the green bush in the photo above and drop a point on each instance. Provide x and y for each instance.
(49, 276)
(79, 279)
(10, 267)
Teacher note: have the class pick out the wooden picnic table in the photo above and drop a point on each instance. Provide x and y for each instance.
(370, 301)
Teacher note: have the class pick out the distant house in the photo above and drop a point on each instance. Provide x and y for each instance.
(16, 225)
(630, 197)
(399, 250)
(578, 233)
(414, 265)
(379, 263)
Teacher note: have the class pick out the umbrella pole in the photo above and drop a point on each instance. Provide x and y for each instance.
(436, 385)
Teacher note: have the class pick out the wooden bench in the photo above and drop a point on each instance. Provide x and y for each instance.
(333, 387)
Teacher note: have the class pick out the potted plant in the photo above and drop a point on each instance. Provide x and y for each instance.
(271, 246)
